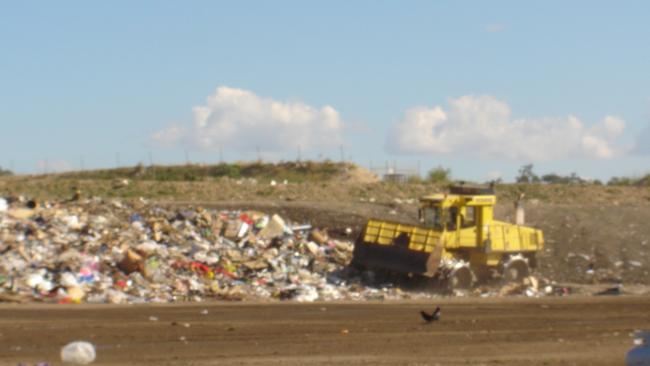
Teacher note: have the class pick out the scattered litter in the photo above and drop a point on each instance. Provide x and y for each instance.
(121, 183)
(635, 263)
(78, 353)
(531, 287)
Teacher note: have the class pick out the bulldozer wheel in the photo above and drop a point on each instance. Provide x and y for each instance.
(460, 278)
(516, 271)
(482, 274)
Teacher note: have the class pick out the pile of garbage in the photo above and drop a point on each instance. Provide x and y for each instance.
(111, 251)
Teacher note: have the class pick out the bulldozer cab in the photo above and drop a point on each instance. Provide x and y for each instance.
(454, 212)
(436, 217)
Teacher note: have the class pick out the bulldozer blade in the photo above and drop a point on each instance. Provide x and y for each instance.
(433, 263)
(396, 258)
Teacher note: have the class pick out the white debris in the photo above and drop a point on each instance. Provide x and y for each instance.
(78, 353)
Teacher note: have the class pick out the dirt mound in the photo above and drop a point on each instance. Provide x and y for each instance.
(594, 243)
(357, 174)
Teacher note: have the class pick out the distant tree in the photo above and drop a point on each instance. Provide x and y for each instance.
(5, 172)
(439, 175)
(552, 178)
(620, 181)
(575, 179)
(526, 175)
(644, 181)
(628, 181)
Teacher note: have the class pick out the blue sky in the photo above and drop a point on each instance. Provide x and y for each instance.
(479, 87)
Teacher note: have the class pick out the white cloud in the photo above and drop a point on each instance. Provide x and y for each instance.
(610, 126)
(241, 120)
(482, 126)
(495, 27)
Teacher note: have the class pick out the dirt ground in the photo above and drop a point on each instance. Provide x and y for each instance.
(513, 331)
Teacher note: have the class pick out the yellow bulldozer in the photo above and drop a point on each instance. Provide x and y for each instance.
(457, 241)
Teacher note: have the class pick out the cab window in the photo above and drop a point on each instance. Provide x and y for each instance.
(431, 217)
(469, 218)
(459, 216)
(453, 215)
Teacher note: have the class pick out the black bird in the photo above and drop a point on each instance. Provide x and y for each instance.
(431, 317)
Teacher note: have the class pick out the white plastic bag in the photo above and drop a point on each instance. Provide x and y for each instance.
(78, 353)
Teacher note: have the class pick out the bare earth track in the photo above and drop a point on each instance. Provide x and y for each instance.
(496, 331)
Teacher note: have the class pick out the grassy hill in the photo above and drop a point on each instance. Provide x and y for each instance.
(293, 171)
(306, 181)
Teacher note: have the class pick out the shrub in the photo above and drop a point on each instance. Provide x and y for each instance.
(526, 175)
(439, 175)
(5, 172)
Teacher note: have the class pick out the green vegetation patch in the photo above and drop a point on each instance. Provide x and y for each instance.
(293, 171)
